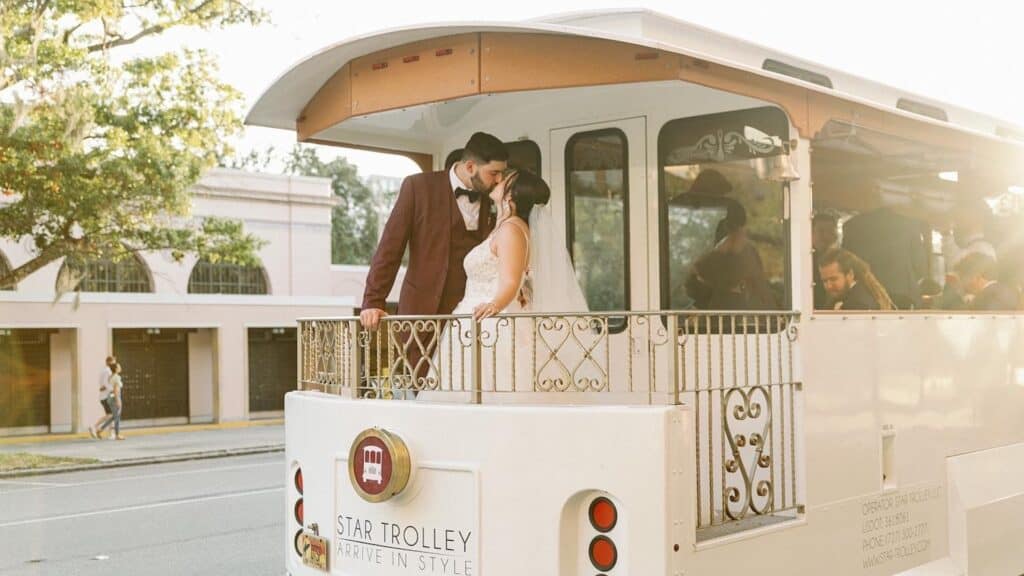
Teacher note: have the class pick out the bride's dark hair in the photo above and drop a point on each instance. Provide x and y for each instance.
(527, 190)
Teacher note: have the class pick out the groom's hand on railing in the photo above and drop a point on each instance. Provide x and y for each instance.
(371, 317)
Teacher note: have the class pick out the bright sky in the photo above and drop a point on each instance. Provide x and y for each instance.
(966, 53)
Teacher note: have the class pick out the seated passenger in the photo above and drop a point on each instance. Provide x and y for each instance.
(731, 276)
(977, 273)
(966, 236)
(968, 233)
(850, 284)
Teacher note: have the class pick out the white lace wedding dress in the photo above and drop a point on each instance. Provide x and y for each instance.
(481, 265)
(501, 338)
(512, 348)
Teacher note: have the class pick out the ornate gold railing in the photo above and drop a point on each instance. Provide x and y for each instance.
(734, 369)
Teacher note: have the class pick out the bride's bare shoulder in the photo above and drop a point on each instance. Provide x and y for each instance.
(512, 232)
(517, 223)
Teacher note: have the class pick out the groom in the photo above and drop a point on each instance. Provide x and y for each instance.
(441, 216)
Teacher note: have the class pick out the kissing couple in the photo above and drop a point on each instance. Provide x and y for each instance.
(481, 241)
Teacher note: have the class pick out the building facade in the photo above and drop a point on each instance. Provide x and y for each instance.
(198, 342)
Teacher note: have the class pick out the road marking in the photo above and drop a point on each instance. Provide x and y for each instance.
(45, 485)
(169, 474)
(142, 507)
(33, 483)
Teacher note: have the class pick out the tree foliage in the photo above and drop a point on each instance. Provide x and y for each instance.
(98, 150)
(354, 221)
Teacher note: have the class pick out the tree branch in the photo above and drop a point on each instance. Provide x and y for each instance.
(42, 6)
(21, 272)
(119, 40)
(70, 31)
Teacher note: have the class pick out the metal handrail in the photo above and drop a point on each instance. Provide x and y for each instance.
(736, 371)
(446, 353)
(612, 313)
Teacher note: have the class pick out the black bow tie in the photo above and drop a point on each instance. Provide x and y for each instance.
(473, 195)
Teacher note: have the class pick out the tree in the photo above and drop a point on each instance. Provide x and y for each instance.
(98, 150)
(354, 222)
(254, 161)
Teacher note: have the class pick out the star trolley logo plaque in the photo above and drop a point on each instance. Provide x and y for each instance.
(378, 465)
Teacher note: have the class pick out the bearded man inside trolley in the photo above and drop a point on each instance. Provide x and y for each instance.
(850, 284)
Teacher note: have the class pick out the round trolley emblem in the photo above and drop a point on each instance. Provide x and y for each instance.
(378, 465)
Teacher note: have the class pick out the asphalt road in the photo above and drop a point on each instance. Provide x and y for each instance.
(218, 516)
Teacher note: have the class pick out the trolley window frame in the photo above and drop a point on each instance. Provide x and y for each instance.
(615, 325)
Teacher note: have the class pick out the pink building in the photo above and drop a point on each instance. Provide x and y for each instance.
(198, 342)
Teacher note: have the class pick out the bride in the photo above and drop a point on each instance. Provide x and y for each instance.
(502, 273)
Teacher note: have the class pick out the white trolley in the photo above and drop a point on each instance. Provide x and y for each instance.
(647, 438)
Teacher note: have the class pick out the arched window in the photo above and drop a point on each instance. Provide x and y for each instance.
(222, 278)
(128, 274)
(5, 268)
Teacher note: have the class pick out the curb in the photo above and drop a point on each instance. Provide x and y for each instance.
(203, 455)
(142, 431)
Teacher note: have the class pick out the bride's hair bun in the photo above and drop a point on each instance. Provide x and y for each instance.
(528, 190)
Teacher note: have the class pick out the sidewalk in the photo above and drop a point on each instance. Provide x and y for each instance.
(149, 445)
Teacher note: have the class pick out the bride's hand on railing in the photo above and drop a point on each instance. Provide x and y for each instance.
(485, 310)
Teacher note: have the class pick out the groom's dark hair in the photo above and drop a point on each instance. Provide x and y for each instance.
(483, 148)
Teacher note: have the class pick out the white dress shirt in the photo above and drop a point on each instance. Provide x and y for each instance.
(470, 210)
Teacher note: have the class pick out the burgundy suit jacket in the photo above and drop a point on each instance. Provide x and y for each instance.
(424, 218)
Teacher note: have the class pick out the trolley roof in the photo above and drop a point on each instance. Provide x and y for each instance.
(282, 104)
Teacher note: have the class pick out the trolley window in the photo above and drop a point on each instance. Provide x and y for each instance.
(919, 225)
(724, 233)
(597, 215)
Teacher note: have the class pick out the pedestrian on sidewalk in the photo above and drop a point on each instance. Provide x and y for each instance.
(114, 402)
(104, 392)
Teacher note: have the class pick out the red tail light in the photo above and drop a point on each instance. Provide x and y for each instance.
(603, 554)
(298, 512)
(603, 515)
